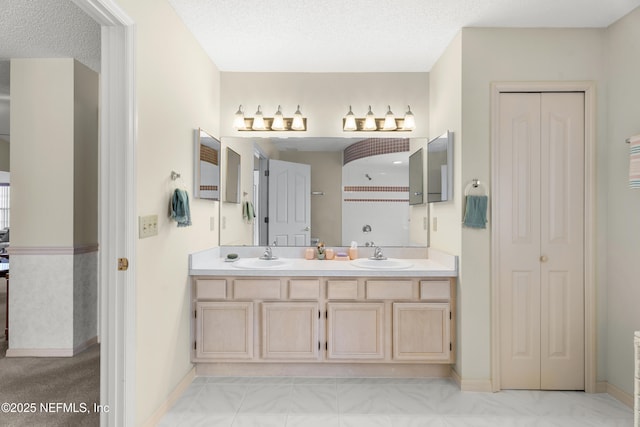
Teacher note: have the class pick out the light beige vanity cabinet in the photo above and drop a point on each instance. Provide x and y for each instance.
(327, 320)
(290, 330)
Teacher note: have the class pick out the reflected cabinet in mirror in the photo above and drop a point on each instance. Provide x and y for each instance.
(440, 168)
(330, 190)
(206, 175)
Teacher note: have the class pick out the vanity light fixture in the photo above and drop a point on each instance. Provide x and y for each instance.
(370, 123)
(277, 123)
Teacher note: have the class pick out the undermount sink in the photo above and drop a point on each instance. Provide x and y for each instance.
(389, 263)
(257, 263)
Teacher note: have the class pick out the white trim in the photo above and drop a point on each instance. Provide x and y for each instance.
(51, 352)
(589, 228)
(482, 386)
(182, 386)
(117, 211)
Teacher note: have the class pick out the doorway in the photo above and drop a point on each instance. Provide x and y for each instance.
(543, 318)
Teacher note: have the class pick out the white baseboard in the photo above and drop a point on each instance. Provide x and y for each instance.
(156, 417)
(51, 352)
(620, 395)
(483, 386)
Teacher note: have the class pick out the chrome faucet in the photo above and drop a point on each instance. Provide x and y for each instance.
(268, 254)
(377, 254)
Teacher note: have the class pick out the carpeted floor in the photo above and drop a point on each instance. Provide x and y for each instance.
(48, 391)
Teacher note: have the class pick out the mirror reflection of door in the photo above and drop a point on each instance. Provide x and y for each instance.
(289, 203)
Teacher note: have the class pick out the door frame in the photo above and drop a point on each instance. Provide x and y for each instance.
(116, 211)
(590, 326)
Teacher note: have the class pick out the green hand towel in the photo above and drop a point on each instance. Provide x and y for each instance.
(475, 215)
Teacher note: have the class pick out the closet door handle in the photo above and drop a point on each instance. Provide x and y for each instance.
(543, 258)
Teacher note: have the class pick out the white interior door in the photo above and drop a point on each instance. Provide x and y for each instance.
(289, 203)
(541, 240)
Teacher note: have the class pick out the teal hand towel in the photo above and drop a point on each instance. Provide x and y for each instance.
(180, 210)
(248, 212)
(475, 215)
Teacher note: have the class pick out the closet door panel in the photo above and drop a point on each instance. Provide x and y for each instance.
(562, 241)
(519, 225)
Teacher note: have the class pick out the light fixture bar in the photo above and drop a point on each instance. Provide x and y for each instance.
(360, 121)
(268, 122)
(371, 123)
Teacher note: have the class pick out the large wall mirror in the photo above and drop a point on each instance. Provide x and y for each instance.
(361, 194)
(206, 183)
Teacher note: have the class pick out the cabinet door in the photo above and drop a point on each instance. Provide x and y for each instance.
(421, 331)
(355, 331)
(290, 330)
(224, 330)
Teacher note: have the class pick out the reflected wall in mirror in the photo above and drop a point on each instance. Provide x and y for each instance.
(206, 175)
(343, 199)
(416, 178)
(440, 168)
(232, 183)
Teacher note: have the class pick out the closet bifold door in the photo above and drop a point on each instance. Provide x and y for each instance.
(541, 222)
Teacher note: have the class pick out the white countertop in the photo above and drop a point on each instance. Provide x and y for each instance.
(212, 263)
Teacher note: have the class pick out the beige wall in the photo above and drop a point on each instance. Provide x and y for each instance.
(326, 176)
(85, 156)
(622, 227)
(494, 55)
(177, 88)
(445, 113)
(42, 148)
(5, 162)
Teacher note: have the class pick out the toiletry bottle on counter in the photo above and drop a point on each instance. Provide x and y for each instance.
(309, 253)
(353, 250)
(330, 253)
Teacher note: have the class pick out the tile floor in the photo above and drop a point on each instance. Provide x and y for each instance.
(372, 402)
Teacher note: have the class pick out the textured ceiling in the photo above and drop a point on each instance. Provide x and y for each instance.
(365, 35)
(46, 29)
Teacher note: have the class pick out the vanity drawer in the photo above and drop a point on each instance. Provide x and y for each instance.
(389, 289)
(256, 289)
(211, 289)
(435, 290)
(304, 289)
(342, 289)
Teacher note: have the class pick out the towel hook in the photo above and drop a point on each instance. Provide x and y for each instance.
(475, 183)
(174, 175)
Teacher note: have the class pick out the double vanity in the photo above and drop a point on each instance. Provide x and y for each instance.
(292, 316)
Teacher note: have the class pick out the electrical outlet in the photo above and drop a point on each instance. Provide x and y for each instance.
(425, 223)
(435, 223)
(224, 222)
(147, 226)
(212, 223)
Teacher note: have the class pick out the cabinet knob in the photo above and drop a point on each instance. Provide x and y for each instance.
(543, 258)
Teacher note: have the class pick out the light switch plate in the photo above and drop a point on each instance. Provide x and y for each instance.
(147, 226)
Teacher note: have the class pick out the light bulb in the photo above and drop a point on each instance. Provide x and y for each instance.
(389, 120)
(258, 121)
(297, 123)
(409, 120)
(370, 120)
(350, 121)
(278, 120)
(238, 121)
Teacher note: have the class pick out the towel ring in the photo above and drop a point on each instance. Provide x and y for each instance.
(474, 184)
